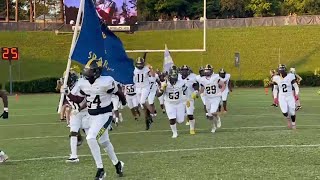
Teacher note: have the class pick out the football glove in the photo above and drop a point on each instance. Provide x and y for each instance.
(188, 104)
(163, 86)
(5, 114)
(195, 95)
(65, 90)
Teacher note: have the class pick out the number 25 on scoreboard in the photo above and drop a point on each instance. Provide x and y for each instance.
(10, 53)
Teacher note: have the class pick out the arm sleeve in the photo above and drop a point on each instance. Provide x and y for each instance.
(275, 91)
(296, 88)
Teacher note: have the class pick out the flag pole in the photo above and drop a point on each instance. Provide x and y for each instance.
(75, 33)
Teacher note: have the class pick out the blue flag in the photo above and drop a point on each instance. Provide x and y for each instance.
(96, 41)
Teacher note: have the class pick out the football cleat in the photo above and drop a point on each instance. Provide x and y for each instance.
(192, 132)
(72, 160)
(3, 157)
(298, 108)
(213, 130)
(119, 168)
(148, 123)
(175, 135)
(187, 123)
(100, 174)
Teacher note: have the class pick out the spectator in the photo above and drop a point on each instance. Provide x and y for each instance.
(175, 18)
(187, 18)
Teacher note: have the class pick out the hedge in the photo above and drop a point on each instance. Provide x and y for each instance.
(45, 85)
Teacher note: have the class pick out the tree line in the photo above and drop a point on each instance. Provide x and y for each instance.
(166, 9)
(151, 10)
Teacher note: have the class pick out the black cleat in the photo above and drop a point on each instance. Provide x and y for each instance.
(148, 122)
(119, 168)
(275, 105)
(100, 174)
(298, 108)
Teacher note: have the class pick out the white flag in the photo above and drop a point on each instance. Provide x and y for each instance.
(168, 62)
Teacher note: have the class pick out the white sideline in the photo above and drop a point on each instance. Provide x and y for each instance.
(180, 150)
(155, 131)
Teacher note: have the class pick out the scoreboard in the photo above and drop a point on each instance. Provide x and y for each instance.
(10, 53)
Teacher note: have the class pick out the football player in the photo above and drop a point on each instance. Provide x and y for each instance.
(142, 83)
(98, 90)
(284, 84)
(162, 79)
(132, 101)
(192, 88)
(78, 119)
(298, 80)
(201, 74)
(4, 115)
(154, 84)
(274, 93)
(116, 103)
(172, 89)
(212, 86)
(225, 77)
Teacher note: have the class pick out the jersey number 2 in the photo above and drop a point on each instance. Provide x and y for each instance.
(284, 88)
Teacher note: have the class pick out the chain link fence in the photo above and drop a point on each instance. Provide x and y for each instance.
(176, 25)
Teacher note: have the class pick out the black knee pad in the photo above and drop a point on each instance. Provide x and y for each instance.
(73, 134)
(190, 117)
(172, 121)
(285, 114)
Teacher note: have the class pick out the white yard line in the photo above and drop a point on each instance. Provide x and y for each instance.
(156, 131)
(180, 150)
(227, 115)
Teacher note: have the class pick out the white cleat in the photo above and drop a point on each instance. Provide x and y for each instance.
(175, 135)
(72, 160)
(218, 122)
(213, 130)
(3, 157)
(187, 123)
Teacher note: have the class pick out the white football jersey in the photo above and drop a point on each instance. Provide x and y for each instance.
(189, 81)
(284, 84)
(174, 93)
(141, 77)
(226, 79)
(153, 82)
(129, 89)
(211, 85)
(98, 95)
(198, 77)
(76, 107)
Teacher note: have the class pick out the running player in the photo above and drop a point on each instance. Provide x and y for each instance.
(225, 77)
(162, 79)
(298, 80)
(132, 100)
(284, 84)
(212, 86)
(190, 80)
(97, 90)
(172, 90)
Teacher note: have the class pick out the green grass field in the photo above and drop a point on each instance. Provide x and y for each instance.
(253, 143)
(44, 54)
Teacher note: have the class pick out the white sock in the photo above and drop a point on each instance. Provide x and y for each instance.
(293, 123)
(174, 128)
(213, 123)
(73, 146)
(117, 120)
(207, 114)
(192, 124)
(108, 148)
(95, 151)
